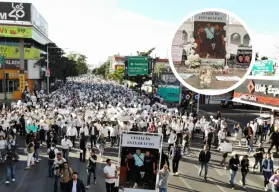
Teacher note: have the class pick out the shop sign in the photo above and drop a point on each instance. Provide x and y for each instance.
(13, 31)
(248, 98)
(267, 89)
(22, 82)
(12, 52)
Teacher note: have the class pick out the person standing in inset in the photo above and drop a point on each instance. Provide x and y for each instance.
(204, 158)
(130, 164)
(139, 160)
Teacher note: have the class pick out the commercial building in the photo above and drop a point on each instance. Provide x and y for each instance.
(261, 88)
(23, 36)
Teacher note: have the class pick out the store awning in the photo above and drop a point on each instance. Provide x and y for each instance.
(256, 104)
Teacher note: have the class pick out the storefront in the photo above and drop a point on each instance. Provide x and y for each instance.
(30, 31)
(260, 93)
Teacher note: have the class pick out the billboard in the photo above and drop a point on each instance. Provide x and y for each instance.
(10, 11)
(169, 93)
(243, 58)
(209, 35)
(139, 162)
(13, 64)
(15, 31)
(167, 79)
(11, 52)
(38, 21)
(260, 91)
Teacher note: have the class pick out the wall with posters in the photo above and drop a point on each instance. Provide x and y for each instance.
(243, 57)
(143, 150)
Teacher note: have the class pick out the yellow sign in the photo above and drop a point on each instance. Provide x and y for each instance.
(21, 82)
(11, 52)
(16, 31)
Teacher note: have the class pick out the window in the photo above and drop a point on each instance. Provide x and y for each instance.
(12, 85)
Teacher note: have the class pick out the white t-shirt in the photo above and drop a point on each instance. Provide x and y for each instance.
(110, 170)
(104, 130)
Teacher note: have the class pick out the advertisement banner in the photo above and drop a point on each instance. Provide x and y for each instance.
(10, 11)
(139, 162)
(11, 52)
(15, 31)
(243, 58)
(167, 79)
(260, 91)
(263, 68)
(13, 63)
(169, 93)
(209, 35)
(177, 48)
(21, 82)
(38, 21)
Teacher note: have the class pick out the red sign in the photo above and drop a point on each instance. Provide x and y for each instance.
(260, 99)
(47, 73)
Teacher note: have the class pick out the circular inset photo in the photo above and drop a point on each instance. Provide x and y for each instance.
(211, 52)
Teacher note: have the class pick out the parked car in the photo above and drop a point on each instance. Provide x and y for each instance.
(229, 103)
(264, 118)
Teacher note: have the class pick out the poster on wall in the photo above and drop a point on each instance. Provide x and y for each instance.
(209, 35)
(21, 82)
(243, 58)
(139, 162)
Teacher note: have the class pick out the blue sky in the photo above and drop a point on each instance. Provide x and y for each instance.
(260, 16)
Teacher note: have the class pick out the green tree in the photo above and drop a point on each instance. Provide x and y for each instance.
(80, 62)
(117, 75)
(103, 70)
(59, 65)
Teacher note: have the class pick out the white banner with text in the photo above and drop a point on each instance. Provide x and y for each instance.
(141, 141)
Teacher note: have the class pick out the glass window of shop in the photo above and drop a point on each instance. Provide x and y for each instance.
(12, 85)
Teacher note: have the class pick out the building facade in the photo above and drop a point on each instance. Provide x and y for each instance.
(23, 36)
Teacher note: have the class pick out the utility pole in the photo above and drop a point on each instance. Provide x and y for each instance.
(47, 69)
(153, 62)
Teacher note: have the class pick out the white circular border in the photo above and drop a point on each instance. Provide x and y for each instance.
(213, 91)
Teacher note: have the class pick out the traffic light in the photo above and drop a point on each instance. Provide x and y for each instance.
(7, 75)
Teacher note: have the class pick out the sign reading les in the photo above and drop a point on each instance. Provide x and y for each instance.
(10, 11)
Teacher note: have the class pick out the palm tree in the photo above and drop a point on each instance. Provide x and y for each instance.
(145, 53)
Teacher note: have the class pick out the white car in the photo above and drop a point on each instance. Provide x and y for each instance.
(262, 119)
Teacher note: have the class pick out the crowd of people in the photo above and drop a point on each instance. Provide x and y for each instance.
(89, 114)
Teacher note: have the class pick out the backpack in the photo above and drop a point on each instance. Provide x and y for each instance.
(51, 154)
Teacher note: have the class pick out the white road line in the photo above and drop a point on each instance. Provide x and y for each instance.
(186, 183)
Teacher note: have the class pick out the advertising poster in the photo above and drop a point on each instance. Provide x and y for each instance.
(209, 35)
(169, 93)
(243, 58)
(12, 52)
(263, 68)
(10, 11)
(139, 162)
(18, 32)
(21, 82)
(177, 48)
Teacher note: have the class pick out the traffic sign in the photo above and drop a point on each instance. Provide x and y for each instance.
(137, 65)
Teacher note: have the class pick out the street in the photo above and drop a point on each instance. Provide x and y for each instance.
(188, 180)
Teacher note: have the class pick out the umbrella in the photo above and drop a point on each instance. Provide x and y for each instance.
(31, 128)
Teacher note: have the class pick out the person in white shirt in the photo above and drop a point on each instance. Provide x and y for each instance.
(110, 173)
(113, 135)
(172, 139)
(72, 133)
(57, 165)
(66, 144)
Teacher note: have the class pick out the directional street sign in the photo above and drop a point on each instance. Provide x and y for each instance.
(137, 65)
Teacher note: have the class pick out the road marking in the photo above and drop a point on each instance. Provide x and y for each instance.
(185, 183)
(21, 181)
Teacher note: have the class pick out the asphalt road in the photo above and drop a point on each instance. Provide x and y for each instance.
(35, 179)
